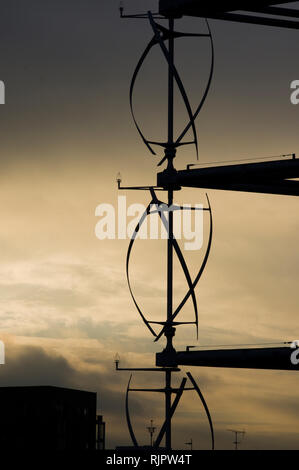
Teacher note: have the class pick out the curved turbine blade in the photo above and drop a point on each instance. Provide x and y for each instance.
(134, 440)
(192, 117)
(205, 407)
(206, 90)
(132, 85)
(199, 274)
(176, 76)
(180, 258)
(172, 411)
(148, 48)
(143, 217)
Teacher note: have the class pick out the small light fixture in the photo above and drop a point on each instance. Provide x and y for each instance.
(118, 179)
(116, 361)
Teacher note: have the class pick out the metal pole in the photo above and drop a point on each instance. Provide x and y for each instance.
(170, 260)
(151, 429)
(169, 154)
(170, 83)
(168, 410)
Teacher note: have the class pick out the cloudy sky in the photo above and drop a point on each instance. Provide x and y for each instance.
(65, 132)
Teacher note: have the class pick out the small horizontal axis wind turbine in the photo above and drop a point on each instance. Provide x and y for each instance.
(266, 177)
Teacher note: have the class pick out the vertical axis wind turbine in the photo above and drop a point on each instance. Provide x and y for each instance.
(164, 38)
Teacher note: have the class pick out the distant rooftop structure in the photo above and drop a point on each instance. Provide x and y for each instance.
(47, 418)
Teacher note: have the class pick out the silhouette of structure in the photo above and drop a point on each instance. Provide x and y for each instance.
(273, 177)
(167, 327)
(100, 433)
(151, 429)
(237, 433)
(271, 358)
(261, 12)
(47, 418)
(190, 444)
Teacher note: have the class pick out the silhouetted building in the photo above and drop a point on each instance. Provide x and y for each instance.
(45, 417)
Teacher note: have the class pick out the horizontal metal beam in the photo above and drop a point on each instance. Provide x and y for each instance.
(167, 6)
(250, 19)
(179, 8)
(292, 13)
(274, 177)
(282, 188)
(253, 358)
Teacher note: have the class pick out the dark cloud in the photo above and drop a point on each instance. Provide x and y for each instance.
(32, 365)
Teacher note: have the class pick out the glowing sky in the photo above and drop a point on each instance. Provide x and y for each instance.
(65, 132)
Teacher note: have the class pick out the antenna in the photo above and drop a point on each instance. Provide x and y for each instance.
(151, 429)
(237, 433)
(189, 444)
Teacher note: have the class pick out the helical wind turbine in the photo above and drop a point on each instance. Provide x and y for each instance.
(164, 38)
